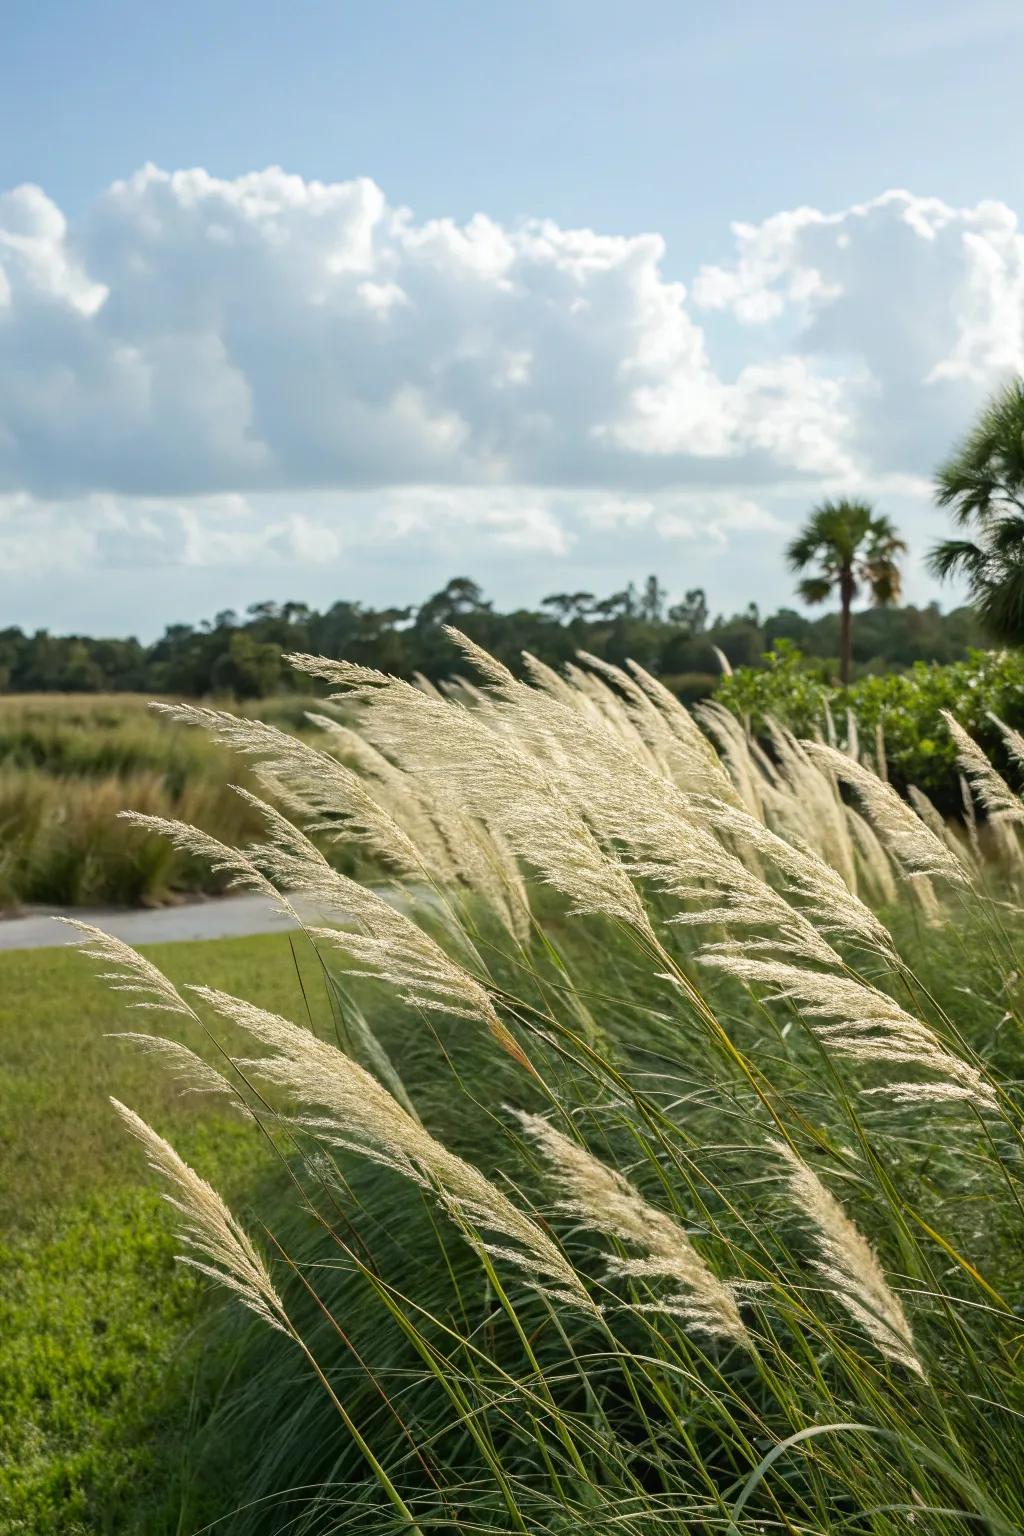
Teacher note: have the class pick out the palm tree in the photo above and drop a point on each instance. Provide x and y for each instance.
(984, 484)
(852, 547)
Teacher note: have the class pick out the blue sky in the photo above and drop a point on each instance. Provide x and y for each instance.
(221, 389)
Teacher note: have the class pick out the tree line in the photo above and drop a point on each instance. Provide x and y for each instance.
(241, 654)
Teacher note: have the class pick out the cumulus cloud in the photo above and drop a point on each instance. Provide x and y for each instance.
(193, 353)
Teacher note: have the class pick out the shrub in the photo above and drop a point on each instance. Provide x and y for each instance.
(904, 705)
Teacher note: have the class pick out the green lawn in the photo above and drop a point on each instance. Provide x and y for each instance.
(100, 1332)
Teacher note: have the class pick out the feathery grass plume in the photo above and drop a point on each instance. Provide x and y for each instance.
(971, 821)
(605, 705)
(816, 810)
(244, 872)
(636, 808)
(881, 761)
(195, 1074)
(335, 800)
(399, 795)
(990, 787)
(702, 869)
(864, 1025)
(668, 832)
(482, 771)
(724, 664)
(209, 1229)
(345, 1105)
(912, 844)
(872, 859)
(852, 737)
(849, 1263)
(137, 976)
(699, 765)
(131, 973)
(540, 674)
(424, 684)
(600, 1197)
(1013, 739)
(736, 752)
(935, 823)
(923, 892)
(676, 744)
(807, 881)
(456, 849)
(389, 945)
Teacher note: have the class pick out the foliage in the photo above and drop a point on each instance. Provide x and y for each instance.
(242, 655)
(906, 705)
(852, 549)
(983, 484)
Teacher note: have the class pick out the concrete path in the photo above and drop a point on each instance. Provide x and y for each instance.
(227, 917)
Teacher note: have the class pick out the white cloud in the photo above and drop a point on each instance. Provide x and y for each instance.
(281, 342)
(714, 518)
(616, 512)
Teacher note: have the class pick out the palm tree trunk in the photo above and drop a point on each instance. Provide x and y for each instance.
(845, 624)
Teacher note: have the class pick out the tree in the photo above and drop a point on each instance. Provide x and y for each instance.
(460, 597)
(983, 483)
(853, 548)
(652, 602)
(568, 605)
(692, 612)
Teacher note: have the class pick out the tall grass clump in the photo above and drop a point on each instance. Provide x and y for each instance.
(70, 763)
(653, 1137)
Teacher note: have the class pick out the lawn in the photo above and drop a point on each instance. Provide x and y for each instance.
(100, 1332)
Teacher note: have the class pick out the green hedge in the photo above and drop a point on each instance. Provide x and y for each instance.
(918, 748)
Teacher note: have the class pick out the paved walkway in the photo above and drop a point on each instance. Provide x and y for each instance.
(227, 917)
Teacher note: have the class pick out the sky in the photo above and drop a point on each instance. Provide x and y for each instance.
(339, 300)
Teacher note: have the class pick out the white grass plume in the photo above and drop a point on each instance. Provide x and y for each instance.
(130, 972)
(195, 1074)
(864, 1025)
(881, 761)
(815, 810)
(454, 850)
(484, 772)
(244, 874)
(807, 881)
(850, 1265)
(737, 753)
(1013, 739)
(333, 798)
(697, 868)
(345, 1105)
(602, 1199)
(218, 1246)
(990, 787)
(912, 844)
(668, 729)
(872, 859)
(669, 837)
(386, 944)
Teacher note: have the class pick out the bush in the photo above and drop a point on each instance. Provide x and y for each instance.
(905, 705)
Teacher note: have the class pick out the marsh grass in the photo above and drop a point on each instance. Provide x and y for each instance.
(70, 763)
(815, 1326)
